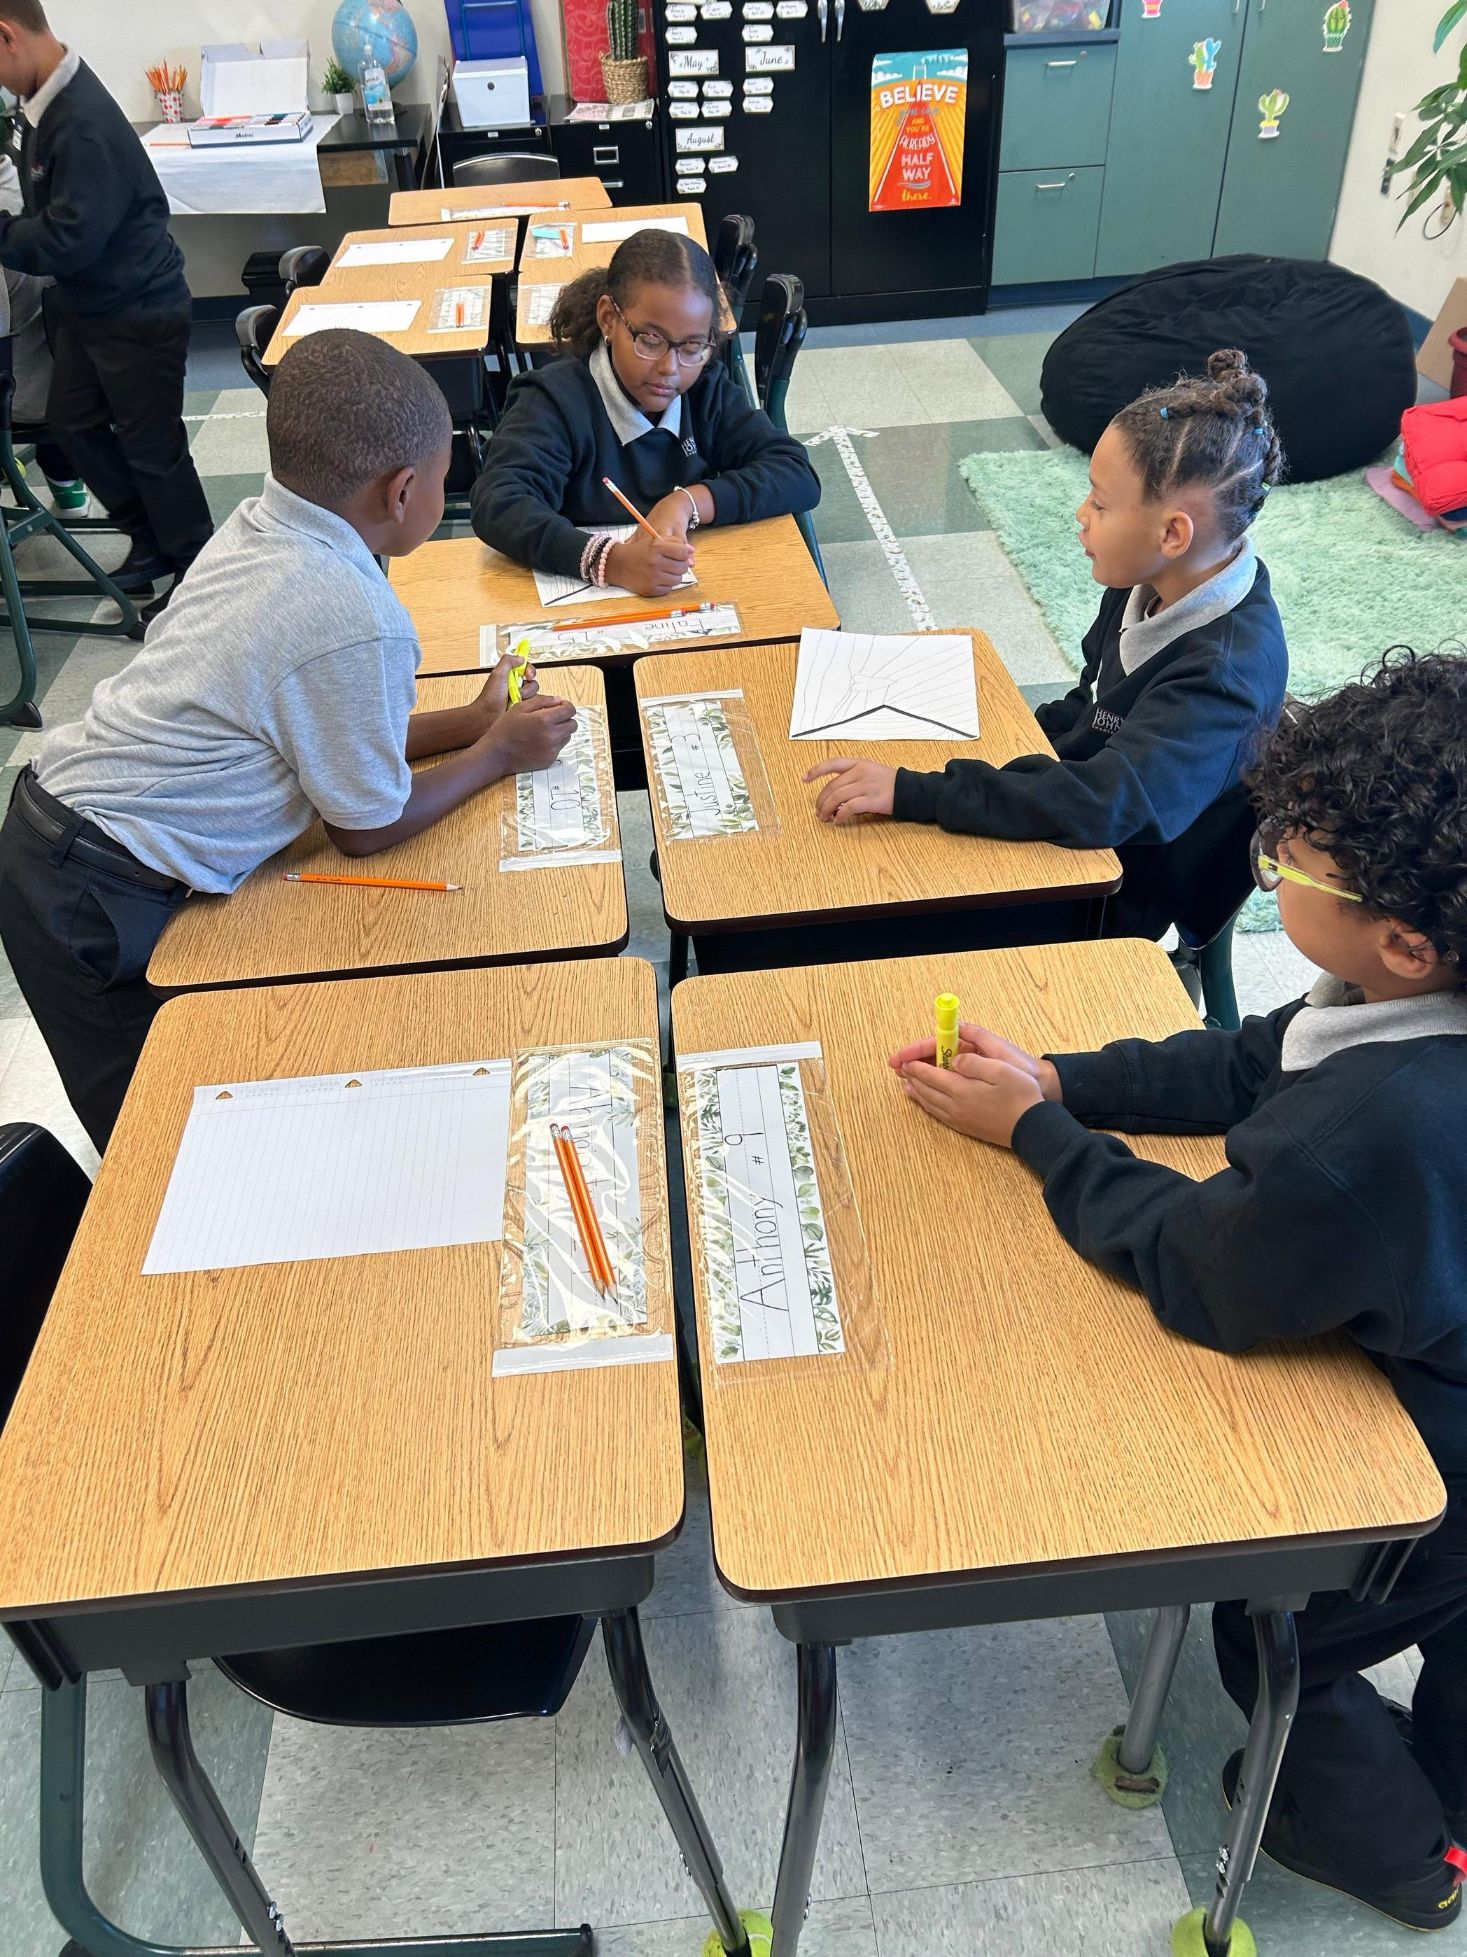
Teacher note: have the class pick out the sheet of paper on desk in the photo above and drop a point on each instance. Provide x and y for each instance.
(861, 686)
(770, 1277)
(605, 231)
(400, 251)
(366, 316)
(705, 791)
(554, 590)
(336, 1165)
(501, 210)
(547, 645)
(560, 807)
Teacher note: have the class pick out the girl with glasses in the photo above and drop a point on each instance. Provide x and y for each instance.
(642, 398)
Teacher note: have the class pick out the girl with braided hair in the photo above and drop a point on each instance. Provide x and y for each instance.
(1185, 666)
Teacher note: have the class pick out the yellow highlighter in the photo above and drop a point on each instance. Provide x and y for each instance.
(517, 671)
(945, 1011)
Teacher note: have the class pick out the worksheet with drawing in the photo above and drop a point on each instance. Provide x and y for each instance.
(864, 686)
(702, 783)
(336, 1165)
(771, 1281)
(556, 590)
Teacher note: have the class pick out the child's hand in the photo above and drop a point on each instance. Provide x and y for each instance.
(531, 735)
(859, 788)
(988, 1046)
(493, 701)
(651, 569)
(977, 1097)
(671, 517)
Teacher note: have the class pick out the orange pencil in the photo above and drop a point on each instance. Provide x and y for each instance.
(631, 509)
(588, 1226)
(621, 618)
(367, 883)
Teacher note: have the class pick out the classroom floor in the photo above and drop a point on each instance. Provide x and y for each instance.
(961, 1816)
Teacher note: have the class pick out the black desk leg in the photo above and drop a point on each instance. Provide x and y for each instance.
(1268, 1733)
(626, 1659)
(814, 1753)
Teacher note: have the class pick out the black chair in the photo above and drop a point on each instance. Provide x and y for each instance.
(464, 382)
(509, 166)
(25, 518)
(254, 330)
(1211, 875)
(783, 325)
(303, 265)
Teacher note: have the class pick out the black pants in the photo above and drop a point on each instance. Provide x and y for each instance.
(1368, 1800)
(79, 938)
(116, 407)
(56, 464)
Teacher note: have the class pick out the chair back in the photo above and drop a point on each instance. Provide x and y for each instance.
(777, 341)
(735, 258)
(1207, 872)
(42, 1196)
(303, 265)
(254, 330)
(509, 166)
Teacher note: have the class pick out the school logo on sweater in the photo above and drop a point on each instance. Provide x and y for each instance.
(1106, 722)
(690, 445)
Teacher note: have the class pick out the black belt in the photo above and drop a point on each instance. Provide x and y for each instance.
(55, 823)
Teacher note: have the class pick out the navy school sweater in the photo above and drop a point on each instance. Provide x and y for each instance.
(1341, 1206)
(541, 487)
(96, 217)
(1141, 755)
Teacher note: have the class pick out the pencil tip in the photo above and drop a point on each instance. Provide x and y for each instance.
(455, 886)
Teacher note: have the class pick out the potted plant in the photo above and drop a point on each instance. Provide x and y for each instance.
(623, 69)
(1271, 107)
(1437, 160)
(336, 83)
(1336, 26)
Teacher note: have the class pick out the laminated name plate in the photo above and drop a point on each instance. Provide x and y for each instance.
(552, 589)
(564, 812)
(501, 210)
(459, 309)
(491, 247)
(541, 303)
(767, 1247)
(552, 240)
(702, 787)
(336, 1165)
(549, 644)
(867, 686)
(398, 251)
(366, 316)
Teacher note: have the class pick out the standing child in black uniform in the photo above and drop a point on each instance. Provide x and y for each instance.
(96, 221)
(1185, 666)
(644, 401)
(1341, 1210)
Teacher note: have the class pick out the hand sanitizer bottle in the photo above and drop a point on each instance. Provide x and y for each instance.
(376, 95)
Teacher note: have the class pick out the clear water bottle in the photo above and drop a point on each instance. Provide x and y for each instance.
(376, 95)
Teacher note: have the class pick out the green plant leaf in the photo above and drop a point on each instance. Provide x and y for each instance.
(1448, 21)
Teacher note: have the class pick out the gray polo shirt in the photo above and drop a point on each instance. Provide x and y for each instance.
(275, 688)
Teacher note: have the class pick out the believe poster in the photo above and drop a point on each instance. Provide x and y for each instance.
(919, 103)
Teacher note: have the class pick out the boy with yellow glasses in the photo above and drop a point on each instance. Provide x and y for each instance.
(1342, 1209)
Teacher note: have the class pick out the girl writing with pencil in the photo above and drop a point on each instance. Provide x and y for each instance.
(644, 401)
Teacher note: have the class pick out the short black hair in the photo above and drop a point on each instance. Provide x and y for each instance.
(27, 14)
(1376, 776)
(346, 408)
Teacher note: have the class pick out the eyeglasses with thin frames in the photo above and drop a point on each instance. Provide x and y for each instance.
(650, 345)
(1269, 873)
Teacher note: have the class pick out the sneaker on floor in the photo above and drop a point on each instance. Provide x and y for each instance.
(1432, 1901)
(70, 498)
(140, 570)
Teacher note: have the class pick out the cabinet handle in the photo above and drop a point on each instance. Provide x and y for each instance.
(1062, 64)
(823, 9)
(606, 153)
(613, 183)
(1055, 186)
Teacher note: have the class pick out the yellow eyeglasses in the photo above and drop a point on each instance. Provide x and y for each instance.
(1269, 873)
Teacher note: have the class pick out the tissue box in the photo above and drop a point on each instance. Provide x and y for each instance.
(239, 81)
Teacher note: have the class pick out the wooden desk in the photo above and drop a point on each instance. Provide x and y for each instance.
(374, 281)
(271, 930)
(420, 282)
(598, 251)
(811, 872)
(440, 206)
(225, 1461)
(1032, 1443)
(528, 331)
(455, 587)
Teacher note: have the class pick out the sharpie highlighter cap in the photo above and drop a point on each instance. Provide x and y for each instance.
(945, 1014)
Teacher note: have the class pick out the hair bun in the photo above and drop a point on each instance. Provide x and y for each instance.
(1228, 369)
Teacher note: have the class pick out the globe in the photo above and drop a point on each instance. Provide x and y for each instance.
(376, 30)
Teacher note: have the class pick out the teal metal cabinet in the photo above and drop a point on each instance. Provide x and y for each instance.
(1056, 106)
(1286, 163)
(1169, 138)
(1045, 226)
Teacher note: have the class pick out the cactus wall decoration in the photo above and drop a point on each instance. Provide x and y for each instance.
(1151, 9)
(1336, 26)
(621, 29)
(1271, 107)
(1203, 62)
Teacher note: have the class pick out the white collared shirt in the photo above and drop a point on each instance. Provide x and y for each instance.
(1335, 1016)
(35, 106)
(627, 420)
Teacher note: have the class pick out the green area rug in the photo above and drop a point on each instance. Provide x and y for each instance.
(1351, 577)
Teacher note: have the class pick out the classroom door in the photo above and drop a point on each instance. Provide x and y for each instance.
(1169, 136)
(1286, 160)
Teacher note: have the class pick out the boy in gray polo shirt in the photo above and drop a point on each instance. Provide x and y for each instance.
(276, 689)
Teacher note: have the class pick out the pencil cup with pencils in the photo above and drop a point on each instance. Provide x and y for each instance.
(168, 85)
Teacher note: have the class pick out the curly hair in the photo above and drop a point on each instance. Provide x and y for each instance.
(1217, 432)
(645, 258)
(1376, 776)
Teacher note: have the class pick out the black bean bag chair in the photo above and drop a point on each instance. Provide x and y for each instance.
(1335, 349)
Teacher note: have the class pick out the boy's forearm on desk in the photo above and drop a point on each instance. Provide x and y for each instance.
(436, 792)
(444, 731)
